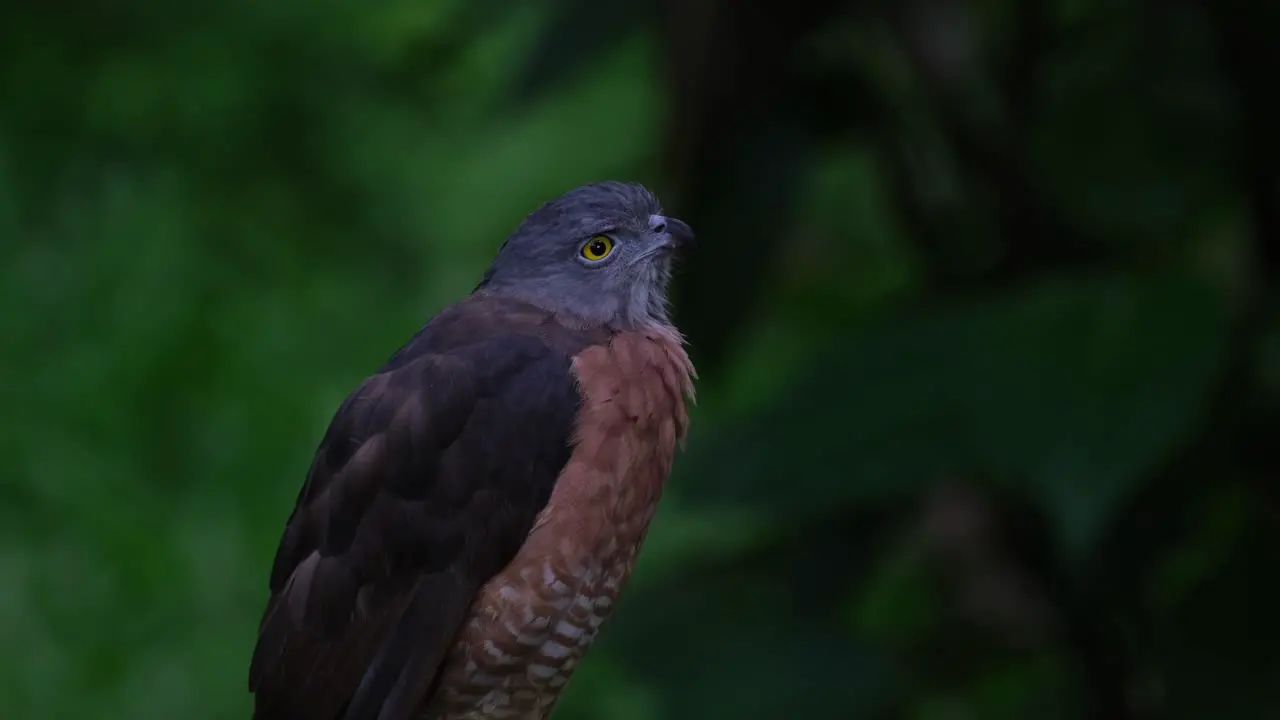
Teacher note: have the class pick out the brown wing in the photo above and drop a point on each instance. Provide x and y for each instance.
(424, 486)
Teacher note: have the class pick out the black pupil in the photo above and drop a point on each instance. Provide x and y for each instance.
(598, 247)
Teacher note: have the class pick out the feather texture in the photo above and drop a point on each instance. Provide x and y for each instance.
(425, 485)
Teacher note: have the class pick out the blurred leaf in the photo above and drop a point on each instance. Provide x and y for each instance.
(898, 603)
(1208, 548)
(1034, 687)
(1216, 650)
(755, 637)
(1154, 185)
(575, 37)
(1075, 389)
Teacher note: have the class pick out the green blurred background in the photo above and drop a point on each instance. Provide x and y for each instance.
(985, 311)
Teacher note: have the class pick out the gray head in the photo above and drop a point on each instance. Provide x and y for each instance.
(600, 254)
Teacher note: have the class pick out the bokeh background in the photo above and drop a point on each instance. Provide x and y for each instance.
(985, 311)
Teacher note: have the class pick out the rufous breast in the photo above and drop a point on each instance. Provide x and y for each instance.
(532, 623)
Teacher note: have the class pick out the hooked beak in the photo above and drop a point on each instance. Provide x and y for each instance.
(672, 234)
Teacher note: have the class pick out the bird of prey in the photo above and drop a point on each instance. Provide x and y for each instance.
(475, 507)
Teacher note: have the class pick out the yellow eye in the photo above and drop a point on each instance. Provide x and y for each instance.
(597, 248)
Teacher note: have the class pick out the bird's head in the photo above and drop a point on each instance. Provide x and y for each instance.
(600, 254)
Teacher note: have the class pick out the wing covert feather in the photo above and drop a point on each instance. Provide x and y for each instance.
(424, 486)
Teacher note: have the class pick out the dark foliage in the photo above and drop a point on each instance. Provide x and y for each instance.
(985, 309)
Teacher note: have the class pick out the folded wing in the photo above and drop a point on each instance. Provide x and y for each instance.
(424, 486)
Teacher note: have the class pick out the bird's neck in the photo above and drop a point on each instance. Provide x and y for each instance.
(643, 310)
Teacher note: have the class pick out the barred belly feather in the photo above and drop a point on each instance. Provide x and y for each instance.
(533, 622)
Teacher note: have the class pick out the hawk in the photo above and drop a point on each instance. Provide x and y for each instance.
(475, 507)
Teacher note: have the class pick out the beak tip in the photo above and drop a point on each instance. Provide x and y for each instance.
(681, 234)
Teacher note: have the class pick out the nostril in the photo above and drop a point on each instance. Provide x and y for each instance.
(660, 227)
